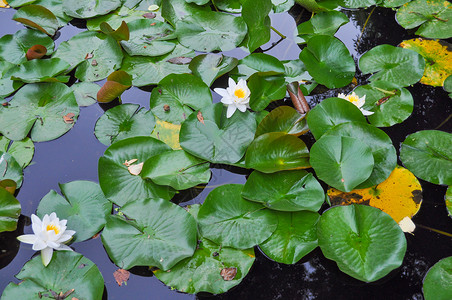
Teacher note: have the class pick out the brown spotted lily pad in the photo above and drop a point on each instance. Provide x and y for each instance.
(399, 196)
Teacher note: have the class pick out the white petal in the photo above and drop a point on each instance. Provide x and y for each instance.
(45, 221)
(63, 223)
(221, 92)
(231, 83)
(53, 245)
(39, 245)
(64, 248)
(46, 256)
(241, 107)
(366, 112)
(64, 238)
(27, 238)
(227, 100)
(36, 223)
(341, 95)
(231, 111)
(53, 216)
(69, 232)
(407, 225)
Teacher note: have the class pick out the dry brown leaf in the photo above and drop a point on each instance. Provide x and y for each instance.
(94, 63)
(200, 117)
(182, 60)
(407, 225)
(149, 15)
(69, 118)
(89, 55)
(135, 169)
(121, 276)
(130, 162)
(228, 274)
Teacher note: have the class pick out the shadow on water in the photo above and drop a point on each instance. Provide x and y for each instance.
(74, 156)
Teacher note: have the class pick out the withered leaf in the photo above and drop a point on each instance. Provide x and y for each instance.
(181, 60)
(68, 119)
(200, 117)
(150, 15)
(135, 169)
(94, 63)
(89, 55)
(228, 274)
(129, 162)
(36, 52)
(121, 276)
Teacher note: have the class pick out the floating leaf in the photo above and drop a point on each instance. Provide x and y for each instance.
(41, 70)
(167, 133)
(294, 237)
(258, 23)
(89, 9)
(117, 83)
(399, 196)
(229, 220)
(277, 151)
(257, 62)
(448, 85)
(322, 23)
(22, 151)
(36, 52)
(285, 190)
(283, 119)
(399, 66)
(13, 48)
(219, 139)
(123, 121)
(117, 183)
(328, 61)
(161, 234)
(331, 112)
(85, 93)
(9, 211)
(176, 10)
(181, 93)
(365, 242)
(265, 88)
(10, 169)
(428, 154)
(341, 161)
(56, 7)
(37, 17)
(232, 6)
(7, 85)
(210, 66)
(178, 169)
(209, 31)
(437, 57)
(383, 152)
(95, 55)
(448, 199)
(83, 205)
(432, 17)
(39, 108)
(390, 104)
(9, 185)
(436, 284)
(78, 277)
(121, 276)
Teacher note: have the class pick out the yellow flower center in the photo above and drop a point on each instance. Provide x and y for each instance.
(353, 99)
(239, 93)
(53, 227)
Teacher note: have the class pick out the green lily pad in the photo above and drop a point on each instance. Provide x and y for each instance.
(436, 284)
(117, 183)
(150, 70)
(202, 271)
(7, 85)
(265, 88)
(149, 40)
(231, 6)
(41, 70)
(277, 151)
(342, 162)
(85, 93)
(448, 199)
(177, 95)
(328, 61)
(433, 18)
(295, 237)
(283, 119)
(383, 152)
(19, 3)
(178, 169)
(13, 48)
(39, 108)
(428, 154)
(95, 55)
(155, 233)
(258, 23)
(66, 271)
(357, 3)
(208, 31)
(280, 6)
(56, 7)
(229, 220)
(447, 85)
(257, 62)
(37, 17)
(217, 138)
(124, 121)
(83, 205)
(287, 191)
(22, 151)
(10, 169)
(210, 66)
(89, 9)
(390, 104)
(295, 70)
(323, 23)
(365, 242)
(9, 211)
(331, 112)
(399, 66)
(393, 3)
(176, 10)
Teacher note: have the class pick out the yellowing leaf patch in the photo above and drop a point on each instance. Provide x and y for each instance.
(167, 133)
(438, 59)
(400, 195)
(4, 4)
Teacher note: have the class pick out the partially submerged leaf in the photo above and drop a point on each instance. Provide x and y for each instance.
(120, 34)
(36, 52)
(283, 119)
(9, 210)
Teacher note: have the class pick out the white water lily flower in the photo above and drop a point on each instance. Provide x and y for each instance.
(359, 102)
(49, 234)
(236, 96)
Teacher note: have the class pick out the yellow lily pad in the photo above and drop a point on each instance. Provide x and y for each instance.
(437, 55)
(167, 133)
(400, 195)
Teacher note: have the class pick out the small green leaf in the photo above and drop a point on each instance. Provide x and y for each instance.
(89, 9)
(9, 211)
(265, 88)
(10, 169)
(37, 17)
(323, 23)
(283, 119)
(436, 284)
(258, 23)
(85, 93)
(210, 66)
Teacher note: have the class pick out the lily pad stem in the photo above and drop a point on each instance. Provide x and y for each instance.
(365, 24)
(213, 3)
(277, 32)
(435, 230)
(385, 91)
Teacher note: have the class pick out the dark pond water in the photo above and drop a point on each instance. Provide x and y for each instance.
(74, 156)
